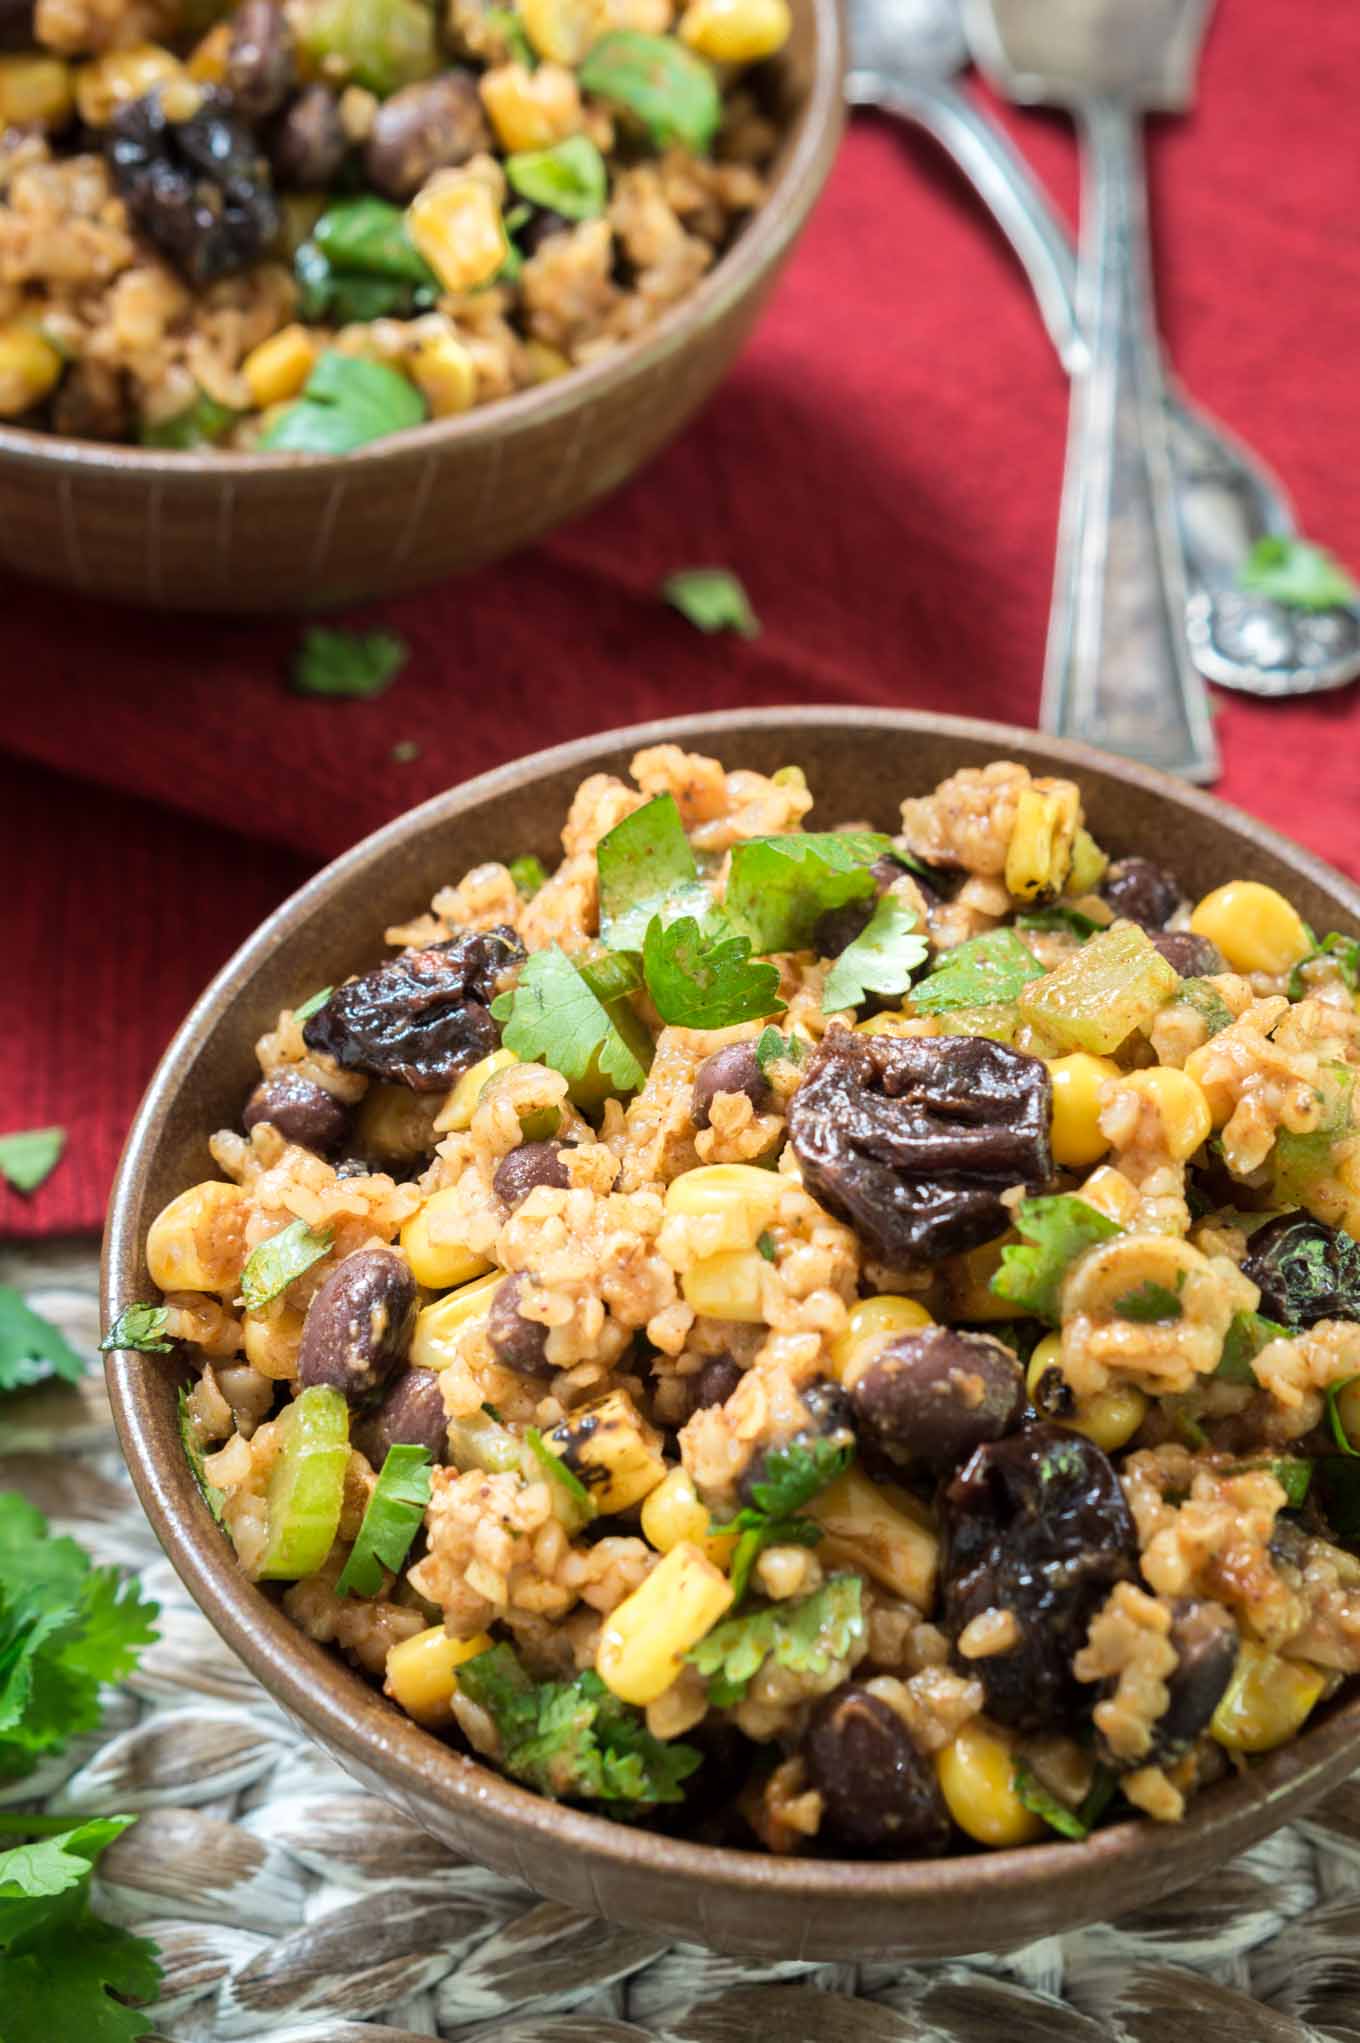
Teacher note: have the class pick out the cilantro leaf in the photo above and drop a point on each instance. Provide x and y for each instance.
(193, 1454)
(573, 1740)
(551, 1017)
(765, 1246)
(881, 959)
(712, 599)
(569, 178)
(986, 971)
(1061, 916)
(793, 1474)
(355, 665)
(30, 1155)
(346, 403)
(805, 1635)
(1344, 953)
(31, 1348)
(757, 1532)
(1339, 1433)
(313, 1005)
(57, 1979)
(706, 981)
(1296, 573)
(772, 1047)
(392, 1517)
(141, 1327)
(669, 89)
(778, 888)
(1075, 1823)
(1149, 1303)
(528, 874)
(1057, 1229)
(1248, 1333)
(1207, 1002)
(647, 868)
(51, 1865)
(276, 1263)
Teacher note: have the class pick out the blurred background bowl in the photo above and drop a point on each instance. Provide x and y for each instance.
(262, 532)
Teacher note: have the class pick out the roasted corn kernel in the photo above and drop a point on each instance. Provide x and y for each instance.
(30, 368)
(977, 1779)
(120, 76)
(735, 1201)
(394, 1124)
(421, 1673)
(438, 1325)
(736, 31)
(728, 1286)
(562, 30)
(1039, 857)
(1088, 864)
(1109, 1417)
(206, 63)
(871, 1325)
(1077, 1083)
(1266, 1701)
(279, 366)
(197, 1242)
(1180, 1105)
(969, 1278)
(644, 1642)
(446, 375)
(881, 1529)
(1256, 929)
(438, 1259)
(673, 1513)
(35, 92)
(531, 109)
(610, 1447)
(455, 1116)
(457, 226)
(1112, 1194)
(272, 1340)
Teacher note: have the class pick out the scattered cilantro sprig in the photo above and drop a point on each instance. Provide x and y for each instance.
(647, 868)
(552, 1017)
(778, 888)
(881, 959)
(986, 971)
(141, 1327)
(1057, 1229)
(1149, 1303)
(30, 1155)
(793, 1475)
(773, 1047)
(392, 1517)
(1074, 1823)
(1342, 951)
(1297, 573)
(706, 981)
(31, 1348)
(805, 1635)
(352, 665)
(711, 599)
(278, 1262)
(59, 1965)
(346, 403)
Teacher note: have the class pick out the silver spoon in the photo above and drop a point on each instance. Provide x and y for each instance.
(903, 53)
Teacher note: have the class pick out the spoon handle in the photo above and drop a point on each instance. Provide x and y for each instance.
(1118, 673)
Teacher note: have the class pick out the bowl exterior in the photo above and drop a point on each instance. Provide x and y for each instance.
(265, 533)
(859, 764)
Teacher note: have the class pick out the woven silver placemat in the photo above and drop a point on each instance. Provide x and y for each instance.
(290, 1905)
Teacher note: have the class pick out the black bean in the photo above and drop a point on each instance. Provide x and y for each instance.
(1194, 957)
(260, 70)
(520, 1344)
(1206, 1640)
(411, 1414)
(302, 1111)
(934, 1395)
(714, 1383)
(198, 188)
(423, 128)
(533, 1163)
(734, 1068)
(1141, 891)
(879, 1794)
(359, 1325)
(830, 1417)
(308, 143)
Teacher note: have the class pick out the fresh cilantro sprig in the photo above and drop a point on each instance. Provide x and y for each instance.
(986, 971)
(1074, 1823)
(1207, 1002)
(30, 1155)
(706, 981)
(1297, 573)
(1149, 1303)
(792, 1476)
(805, 1635)
(1248, 1333)
(573, 1740)
(647, 868)
(278, 1262)
(313, 1004)
(31, 1348)
(346, 403)
(712, 599)
(778, 888)
(551, 1017)
(352, 665)
(881, 959)
(59, 1965)
(392, 1517)
(1341, 951)
(141, 1327)
(773, 1047)
(1057, 1229)
(1062, 918)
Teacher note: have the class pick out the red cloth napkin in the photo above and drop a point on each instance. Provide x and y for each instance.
(882, 470)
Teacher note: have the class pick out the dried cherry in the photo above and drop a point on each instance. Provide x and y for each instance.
(422, 1018)
(198, 188)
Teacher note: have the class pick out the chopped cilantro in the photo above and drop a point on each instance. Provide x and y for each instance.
(778, 888)
(528, 873)
(1342, 951)
(576, 1506)
(1334, 1420)
(647, 868)
(1296, 573)
(573, 1740)
(772, 1046)
(313, 1005)
(805, 1635)
(1150, 1303)
(31, 1348)
(141, 1327)
(1207, 1002)
(1299, 1162)
(881, 959)
(765, 1245)
(664, 85)
(706, 981)
(1074, 1823)
(1294, 1475)
(30, 1155)
(610, 975)
(1248, 1333)
(1057, 1229)
(712, 600)
(551, 1017)
(347, 402)
(63, 1973)
(276, 1263)
(793, 1475)
(1061, 916)
(986, 971)
(356, 665)
(569, 178)
(213, 1497)
(392, 1517)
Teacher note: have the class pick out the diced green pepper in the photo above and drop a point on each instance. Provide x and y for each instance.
(383, 44)
(306, 1485)
(1094, 1001)
(671, 91)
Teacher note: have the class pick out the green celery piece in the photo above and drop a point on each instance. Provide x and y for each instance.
(306, 1485)
(1113, 985)
(1248, 1333)
(671, 91)
(1300, 1162)
(384, 44)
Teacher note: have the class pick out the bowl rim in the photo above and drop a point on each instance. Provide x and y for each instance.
(759, 246)
(415, 1763)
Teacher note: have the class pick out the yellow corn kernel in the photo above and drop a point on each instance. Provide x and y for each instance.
(395, 1124)
(1109, 1417)
(562, 30)
(737, 1201)
(728, 1286)
(531, 109)
(1088, 864)
(545, 363)
(1266, 1701)
(272, 1340)
(871, 1325)
(456, 224)
(206, 63)
(976, 1774)
(736, 31)
(30, 367)
(279, 366)
(117, 78)
(439, 1325)
(438, 1259)
(1180, 1105)
(35, 91)
(1039, 857)
(881, 1529)
(644, 1642)
(420, 1673)
(197, 1242)
(969, 1280)
(1077, 1082)
(613, 1451)
(1256, 929)
(1112, 1194)
(446, 375)
(673, 1513)
(455, 1116)
(896, 1022)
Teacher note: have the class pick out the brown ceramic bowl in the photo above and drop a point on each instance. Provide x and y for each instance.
(285, 532)
(859, 764)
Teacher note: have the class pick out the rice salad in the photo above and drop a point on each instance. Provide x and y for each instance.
(835, 1341)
